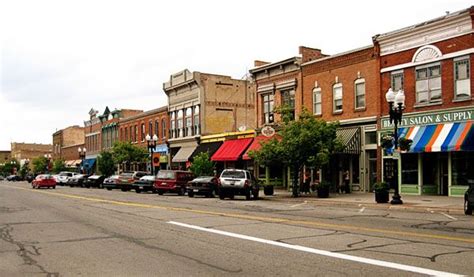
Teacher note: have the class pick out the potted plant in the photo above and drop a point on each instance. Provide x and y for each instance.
(405, 144)
(268, 189)
(323, 189)
(381, 192)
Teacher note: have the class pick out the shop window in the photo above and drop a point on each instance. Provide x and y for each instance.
(267, 100)
(337, 98)
(409, 168)
(429, 168)
(317, 103)
(462, 78)
(428, 84)
(360, 94)
(461, 163)
(371, 137)
(355, 170)
(397, 80)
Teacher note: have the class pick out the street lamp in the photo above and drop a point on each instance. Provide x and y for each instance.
(13, 163)
(396, 103)
(151, 144)
(82, 156)
(48, 158)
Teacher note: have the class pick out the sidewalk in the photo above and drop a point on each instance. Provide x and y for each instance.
(419, 203)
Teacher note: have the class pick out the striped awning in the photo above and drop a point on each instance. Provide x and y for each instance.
(440, 137)
(350, 138)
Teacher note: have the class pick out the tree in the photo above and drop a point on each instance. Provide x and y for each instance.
(126, 152)
(40, 164)
(202, 166)
(59, 165)
(105, 163)
(306, 141)
(9, 166)
(24, 170)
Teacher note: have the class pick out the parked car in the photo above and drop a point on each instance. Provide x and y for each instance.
(145, 183)
(95, 181)
(126, 179)
(238, 182)
(469, 199)
(43, 180)
(13, 178)
(76, 180)
(30, 177)
(172, 181)
(63, 176)
(111, 182)
(203, 185)
(2, 178)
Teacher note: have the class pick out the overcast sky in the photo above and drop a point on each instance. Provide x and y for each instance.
(61, 58)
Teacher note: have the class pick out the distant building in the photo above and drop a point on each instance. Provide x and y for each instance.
(23, 151)
(5, 156)
(73, 135)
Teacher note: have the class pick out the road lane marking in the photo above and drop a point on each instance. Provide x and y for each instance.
(448, 216)
(258, 218)
(362, 210)
(296, 205)
(369, 261)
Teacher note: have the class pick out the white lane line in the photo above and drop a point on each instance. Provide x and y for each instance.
(322, 252)
(362, 210)
(448, 216)
(296, 205)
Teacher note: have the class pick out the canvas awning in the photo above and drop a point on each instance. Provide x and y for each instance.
(183, 154)
(231, 150)
(210, 147)
(257, 144)
(350, 138)
(88, 163)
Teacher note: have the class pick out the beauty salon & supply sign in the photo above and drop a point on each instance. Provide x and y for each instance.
(432, 118)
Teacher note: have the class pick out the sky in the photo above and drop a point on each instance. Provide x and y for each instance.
(59, 59)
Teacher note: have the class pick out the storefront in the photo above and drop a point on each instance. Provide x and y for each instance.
(180, 152)
(440, 155)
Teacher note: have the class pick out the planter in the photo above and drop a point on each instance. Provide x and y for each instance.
(381, 196)
(268, 190)
(323, 192)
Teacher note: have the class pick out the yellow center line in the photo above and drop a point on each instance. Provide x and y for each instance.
(259, 218)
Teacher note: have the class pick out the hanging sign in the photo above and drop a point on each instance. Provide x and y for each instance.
(268, 131)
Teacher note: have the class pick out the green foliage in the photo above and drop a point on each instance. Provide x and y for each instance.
(39, 164)
(105, 163)
(202, 165)
(24, 170)
(381, 186)
(126, 152)
(405, 144)
(58, 166)
(7, 168)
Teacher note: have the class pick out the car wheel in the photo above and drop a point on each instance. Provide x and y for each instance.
(221, 196)
(123, 189)
(109, 188)
(190, 193)
(248, 194)
(467, 208)
(255, 194)
(160, 192)
(137, 190)
(54, 187)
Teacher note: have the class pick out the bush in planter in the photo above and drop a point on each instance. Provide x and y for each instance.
(381, 192)
(323, 189)
(387, 142)
(405, 144)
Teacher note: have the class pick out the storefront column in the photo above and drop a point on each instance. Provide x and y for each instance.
(450, 172)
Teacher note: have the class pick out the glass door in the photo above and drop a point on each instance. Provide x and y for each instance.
(370, 169)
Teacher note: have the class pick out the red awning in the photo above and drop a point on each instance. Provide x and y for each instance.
(256, 145)
(231, 150)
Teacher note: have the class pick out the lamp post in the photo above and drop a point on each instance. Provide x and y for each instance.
(48, 158)
(151, 144)
(396, 103)
(13, 163)
(82, 156)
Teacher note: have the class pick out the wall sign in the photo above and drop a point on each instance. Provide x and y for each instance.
(268, 131)
(432, 118)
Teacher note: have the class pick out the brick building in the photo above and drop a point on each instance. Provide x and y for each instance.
(73, 135)
(203, 104)
(24, 152)
(5, 156)
(345, 88)
(431, 62)
(135, 128)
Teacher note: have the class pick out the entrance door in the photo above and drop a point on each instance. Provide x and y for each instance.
(370, 169)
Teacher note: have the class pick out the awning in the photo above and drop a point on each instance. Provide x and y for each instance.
(183, 154)
(161, 148)
(68, 163)
(210, 147)
(231, 150)
(350, 138)
(440, 137)
(257, 144)
(88, 163)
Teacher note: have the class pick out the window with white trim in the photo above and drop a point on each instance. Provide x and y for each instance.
(359, 88)
(196, 120)
(317, 103)
(396, 80)
(267, 100)
(173, 125)
(428, 84)
(180, 124)
(462, 80)
(188, 121)
(337, 97)
(163, 128)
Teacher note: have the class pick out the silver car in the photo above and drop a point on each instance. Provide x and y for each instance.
(238, 182)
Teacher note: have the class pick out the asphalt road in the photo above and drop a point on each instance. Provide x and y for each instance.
(93, 232)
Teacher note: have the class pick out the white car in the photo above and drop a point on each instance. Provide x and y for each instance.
(63, 176)
(238, 181)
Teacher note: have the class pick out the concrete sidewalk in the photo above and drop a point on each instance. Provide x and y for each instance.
(419, 203)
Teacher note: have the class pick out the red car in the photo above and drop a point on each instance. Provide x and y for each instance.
(44, 180)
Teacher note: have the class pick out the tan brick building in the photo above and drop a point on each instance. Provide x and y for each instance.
(73, 135)
(23, 152)
(5, 156)
(203, 104)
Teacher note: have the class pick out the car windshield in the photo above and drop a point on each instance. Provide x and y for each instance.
(148, 178)
(233, 174)
(127, 174)
(113, 177)
(168, 175)
(204, 179)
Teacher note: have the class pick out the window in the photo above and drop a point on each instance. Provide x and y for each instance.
(196, 121)
(461, 164)
(337, 98)
(173, 125)
(135, 136)
(371, 137)
(462, 78)
(317, 108)
(360, 93)
(157, 128)
(163, 128)
(143, 132)
(180, 124)
(288, 100)
(397, 81)
(409, 168)
(150, 128)
(267, 108)
(131, 134)
(188, 113)
(428, 84)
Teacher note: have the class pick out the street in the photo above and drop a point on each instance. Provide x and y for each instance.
(93, 232)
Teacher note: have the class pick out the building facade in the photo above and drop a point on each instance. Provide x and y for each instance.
(432, 63)
(66, 137)
(5, 156)
(24, 152)
(203, 104)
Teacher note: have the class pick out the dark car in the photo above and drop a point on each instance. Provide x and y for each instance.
(76, 180)
(203, 185)
(30, 177)
(110, 182)
(469, 199)
(13, 178)
(126, 179)
(95, 181)
(145, 183)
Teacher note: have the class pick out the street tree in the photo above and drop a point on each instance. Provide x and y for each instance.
(8, 167)
(40, 164)
(202, 165)
(126, 152)
(59, 165)
(105, 163)
(305, 141)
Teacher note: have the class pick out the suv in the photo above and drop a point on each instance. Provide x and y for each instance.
(469, 199)
(172, 181)
(126, 179)
(238, 181)
(64, 176)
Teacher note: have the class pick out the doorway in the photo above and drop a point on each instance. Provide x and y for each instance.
(370, 169)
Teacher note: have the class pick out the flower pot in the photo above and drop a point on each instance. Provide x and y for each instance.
(268, 190)
(323, 192)
(381, 196)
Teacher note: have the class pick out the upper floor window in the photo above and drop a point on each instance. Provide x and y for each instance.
(179, 123)
(196, 121)
(337, 98)
(173, 125)
(360, 94)
(397, 80)
(428, 84)
(143, 132)
(288, 100)
(150, 128)
(157, 128)
(163, 128)
(267, 100)
(188, 112)
(462, 80)
(317, 103)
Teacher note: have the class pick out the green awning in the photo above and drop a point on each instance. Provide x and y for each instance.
(350, 138)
